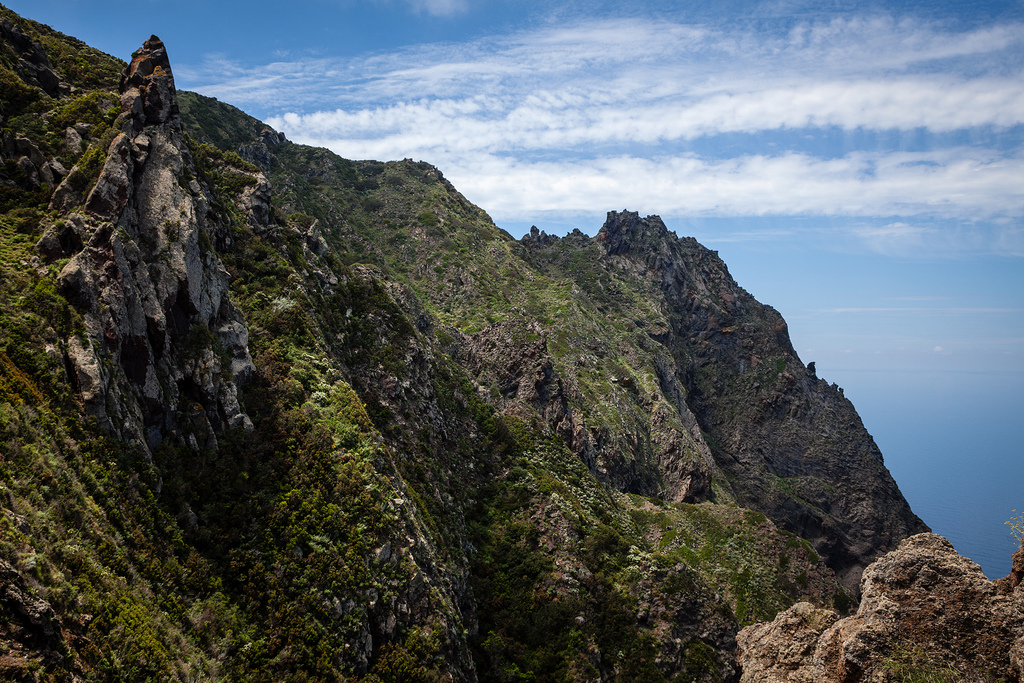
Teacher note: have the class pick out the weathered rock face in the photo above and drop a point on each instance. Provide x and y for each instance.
(924, 608)
(33, 65)
(30, 623)
(1016, 576)
(718, 364)
(643, 438)
(151, 289)
(775, 426)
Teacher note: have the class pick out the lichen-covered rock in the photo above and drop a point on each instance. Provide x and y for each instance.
(923, 607)
(779, 650)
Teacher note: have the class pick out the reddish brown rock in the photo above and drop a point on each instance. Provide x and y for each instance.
(924, 606)
(1009, 582)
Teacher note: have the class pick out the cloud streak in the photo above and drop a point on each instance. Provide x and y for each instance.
(859, 184)
(684, 120)
(552, 119)
(946, 310)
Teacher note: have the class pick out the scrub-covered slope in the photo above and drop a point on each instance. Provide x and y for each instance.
(270, 414)
(635, 347)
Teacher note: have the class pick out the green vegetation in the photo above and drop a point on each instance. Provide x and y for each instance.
(444, 422)
(760, 570)
(216, 123)
(15, 96)
(912, 664)
(96, 109)
(1016, 524)
(543, 616)
(76, 62)
(87, 171)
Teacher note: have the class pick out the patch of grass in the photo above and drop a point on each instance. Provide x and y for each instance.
(912, 664)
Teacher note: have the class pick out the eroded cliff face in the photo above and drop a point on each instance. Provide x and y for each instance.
(792, 445)
(625, 414)
(745, 410)
(926, 613)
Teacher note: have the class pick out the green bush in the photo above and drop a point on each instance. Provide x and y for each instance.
(87, 171)
(15, 94)
(85, 109)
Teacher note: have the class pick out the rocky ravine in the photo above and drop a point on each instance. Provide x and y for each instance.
(926, 613)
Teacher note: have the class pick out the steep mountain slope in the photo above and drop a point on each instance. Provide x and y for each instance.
(274, 414)
(650, 345)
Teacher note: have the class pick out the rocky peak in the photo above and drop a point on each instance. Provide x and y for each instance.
(624, 232)
(538, 237)
(770, 419)
(147, 87)
(151, 288)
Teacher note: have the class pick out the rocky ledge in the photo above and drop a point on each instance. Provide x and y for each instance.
(925, 610)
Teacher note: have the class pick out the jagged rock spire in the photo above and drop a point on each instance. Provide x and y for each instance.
(149, 277)
(147, 87)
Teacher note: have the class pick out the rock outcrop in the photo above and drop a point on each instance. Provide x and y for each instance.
(726, 397)
(33, 65)
(31, 624)
(152, 290)
(924, 610)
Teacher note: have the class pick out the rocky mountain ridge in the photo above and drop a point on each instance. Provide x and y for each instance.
(276, 414)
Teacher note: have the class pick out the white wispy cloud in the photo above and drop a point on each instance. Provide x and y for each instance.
(630, 112)
(859, 184)
(568, 119)
(440, 8)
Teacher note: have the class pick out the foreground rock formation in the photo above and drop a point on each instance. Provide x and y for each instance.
(926, 613)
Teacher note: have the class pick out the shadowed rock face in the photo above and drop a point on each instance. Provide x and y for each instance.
(923, 607)
(33, 64)
(792, 445)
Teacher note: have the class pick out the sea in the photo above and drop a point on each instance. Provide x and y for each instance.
(954, 443)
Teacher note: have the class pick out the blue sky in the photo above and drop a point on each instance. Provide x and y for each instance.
(858, 165)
